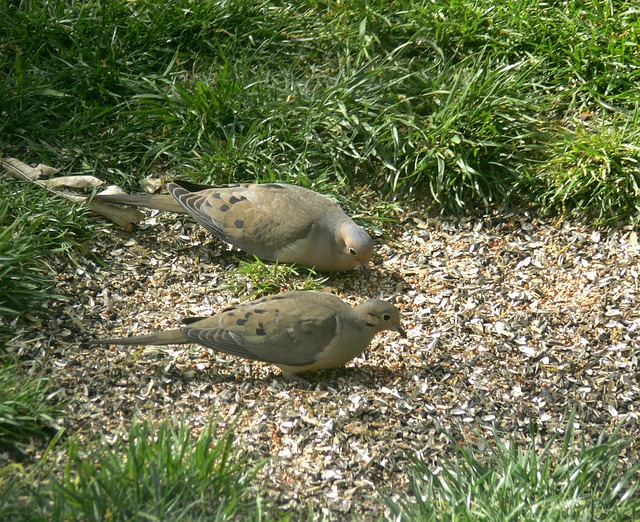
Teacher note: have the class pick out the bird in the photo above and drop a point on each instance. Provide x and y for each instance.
(273, 221)
(297, 331)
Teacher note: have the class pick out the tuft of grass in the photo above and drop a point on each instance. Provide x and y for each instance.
(153, 473)
(34, 228)
(23, 273)
(257, 278)
(593, 170)
(28, 406)
(507, 482)
(163, 472)
(12, 488)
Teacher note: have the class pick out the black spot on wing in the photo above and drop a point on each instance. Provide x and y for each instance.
(274, 186)
(192, 202)
(260, 330)
(222, 341)
(241, 322)
(224, 208)
(296, 354)
(238, 223)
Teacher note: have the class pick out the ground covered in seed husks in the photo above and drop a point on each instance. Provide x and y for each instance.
(511, 321)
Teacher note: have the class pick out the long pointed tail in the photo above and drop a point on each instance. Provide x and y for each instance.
(160, 338)
(164, 202)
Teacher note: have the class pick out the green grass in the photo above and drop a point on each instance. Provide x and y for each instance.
(166, 472)
(503, 481)
(594, 170)
(460, 105)
(23, 278)
(257, 278)
(463, 104)
(34, 228)
(28, 407)
(162, 472)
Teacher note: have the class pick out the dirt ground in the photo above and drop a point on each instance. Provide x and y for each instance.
(512, 322)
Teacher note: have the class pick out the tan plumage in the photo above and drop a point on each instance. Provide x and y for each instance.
(296, 331)
(274, 221)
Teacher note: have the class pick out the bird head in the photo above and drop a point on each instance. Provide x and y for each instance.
(382, 315)
(356, 245)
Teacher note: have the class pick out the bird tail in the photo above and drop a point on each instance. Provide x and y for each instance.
(164, 202)
(157, 339)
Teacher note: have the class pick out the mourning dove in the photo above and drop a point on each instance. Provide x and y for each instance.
(274, 221)
(297, 331)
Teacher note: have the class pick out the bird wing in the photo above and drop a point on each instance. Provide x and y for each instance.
(285, 329)
(262, 219)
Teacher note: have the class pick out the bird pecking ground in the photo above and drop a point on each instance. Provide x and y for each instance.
(512, 321)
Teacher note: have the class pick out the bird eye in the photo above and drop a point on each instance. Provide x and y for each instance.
(386, 317)
(352, 251)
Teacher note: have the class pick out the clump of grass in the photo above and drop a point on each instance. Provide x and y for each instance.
(257, 278)
(23, 279)
(153, 473)
(593, 170)
(507, 482)
(162, 472)
(28, 406)
(33, 229)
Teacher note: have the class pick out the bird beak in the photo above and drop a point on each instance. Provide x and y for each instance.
(401, 331)
(366, 270)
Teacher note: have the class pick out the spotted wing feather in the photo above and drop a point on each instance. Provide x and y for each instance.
(276, 331)
(264, 220)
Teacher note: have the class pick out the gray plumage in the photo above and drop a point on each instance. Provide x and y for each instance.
(274, 221)
(296, 331)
